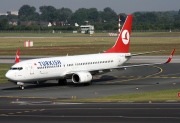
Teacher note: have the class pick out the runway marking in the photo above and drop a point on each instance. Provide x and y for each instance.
(161, 70)
(158, 117)
(103, 108)
(167, 77)
(171, 74)
(15, 113)
(138, 77)
(11, 113)
(92, 116)
(36, 89)
(18, 112)
(3, 115)
(171, 77)
(58, 109)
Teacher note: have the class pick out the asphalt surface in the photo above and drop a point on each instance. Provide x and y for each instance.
(37, 103)
(48, 112)
(131, 80)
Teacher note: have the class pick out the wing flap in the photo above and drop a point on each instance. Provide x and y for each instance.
(100, 71)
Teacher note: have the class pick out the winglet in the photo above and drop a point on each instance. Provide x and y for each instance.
(170, 57)
(17, 56)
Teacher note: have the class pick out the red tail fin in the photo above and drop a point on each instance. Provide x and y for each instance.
(170, 57)
(17, 56)
(123, 40)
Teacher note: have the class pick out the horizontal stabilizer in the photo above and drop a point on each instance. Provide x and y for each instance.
(138, 65)
(147, 53)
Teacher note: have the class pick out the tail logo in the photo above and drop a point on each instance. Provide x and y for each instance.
(17, 56)
(125, 37)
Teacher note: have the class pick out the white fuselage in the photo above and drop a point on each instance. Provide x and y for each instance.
(59, 67)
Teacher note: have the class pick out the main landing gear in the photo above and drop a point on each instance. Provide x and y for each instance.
(62, 82)
(89, 83)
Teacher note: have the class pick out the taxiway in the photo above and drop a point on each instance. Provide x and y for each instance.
(37, 103)
(131, 80)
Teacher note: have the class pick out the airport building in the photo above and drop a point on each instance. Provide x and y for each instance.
(88, 29)
(13, 13)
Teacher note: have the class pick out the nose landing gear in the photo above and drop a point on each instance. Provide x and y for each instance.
(21, 85)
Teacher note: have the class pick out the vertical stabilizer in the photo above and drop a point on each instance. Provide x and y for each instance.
(17, 56)
(123, 41)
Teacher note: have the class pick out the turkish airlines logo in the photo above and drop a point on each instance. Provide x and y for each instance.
(171, 56)
(17, 56)
(125, 37)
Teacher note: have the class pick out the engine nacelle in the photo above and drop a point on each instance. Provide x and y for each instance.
(81, 77)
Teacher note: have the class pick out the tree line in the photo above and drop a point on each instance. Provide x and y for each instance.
(107, 19)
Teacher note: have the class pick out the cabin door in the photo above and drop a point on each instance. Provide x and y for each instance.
(31, 68)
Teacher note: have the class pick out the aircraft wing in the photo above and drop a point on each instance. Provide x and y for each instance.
(168, 61)
(138, 65)
(97, 71)
(147, 53)
(93, 72)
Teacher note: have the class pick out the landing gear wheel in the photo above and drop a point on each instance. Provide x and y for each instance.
(62, 82)
(21, 87)
(89, 83)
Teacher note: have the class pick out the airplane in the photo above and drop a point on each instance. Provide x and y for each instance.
(78, 68)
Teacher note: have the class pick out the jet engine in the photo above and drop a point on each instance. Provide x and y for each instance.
(82, 77)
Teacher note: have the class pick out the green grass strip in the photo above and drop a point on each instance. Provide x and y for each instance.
(166, 95)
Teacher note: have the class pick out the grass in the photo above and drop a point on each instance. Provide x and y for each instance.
(85, 45)
(58, 46)
(48, 34)
(3, 69)
(70, 34)
(171, 95)
(54, 46)
(49, 44)
(82, 45)
(156, 34)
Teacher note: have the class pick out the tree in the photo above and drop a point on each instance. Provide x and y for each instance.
(11, 17)
(109, 26)
(27, 13)
(179, 12)
(3, 23)
(93, 15)
(64, 14)
(48, 13)
(109, 15)
(80, 16)
(122, 17)
(47, 9)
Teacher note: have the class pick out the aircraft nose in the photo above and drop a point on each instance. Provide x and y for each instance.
(8, 75)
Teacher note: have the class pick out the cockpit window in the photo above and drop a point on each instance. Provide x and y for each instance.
(16, 68)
